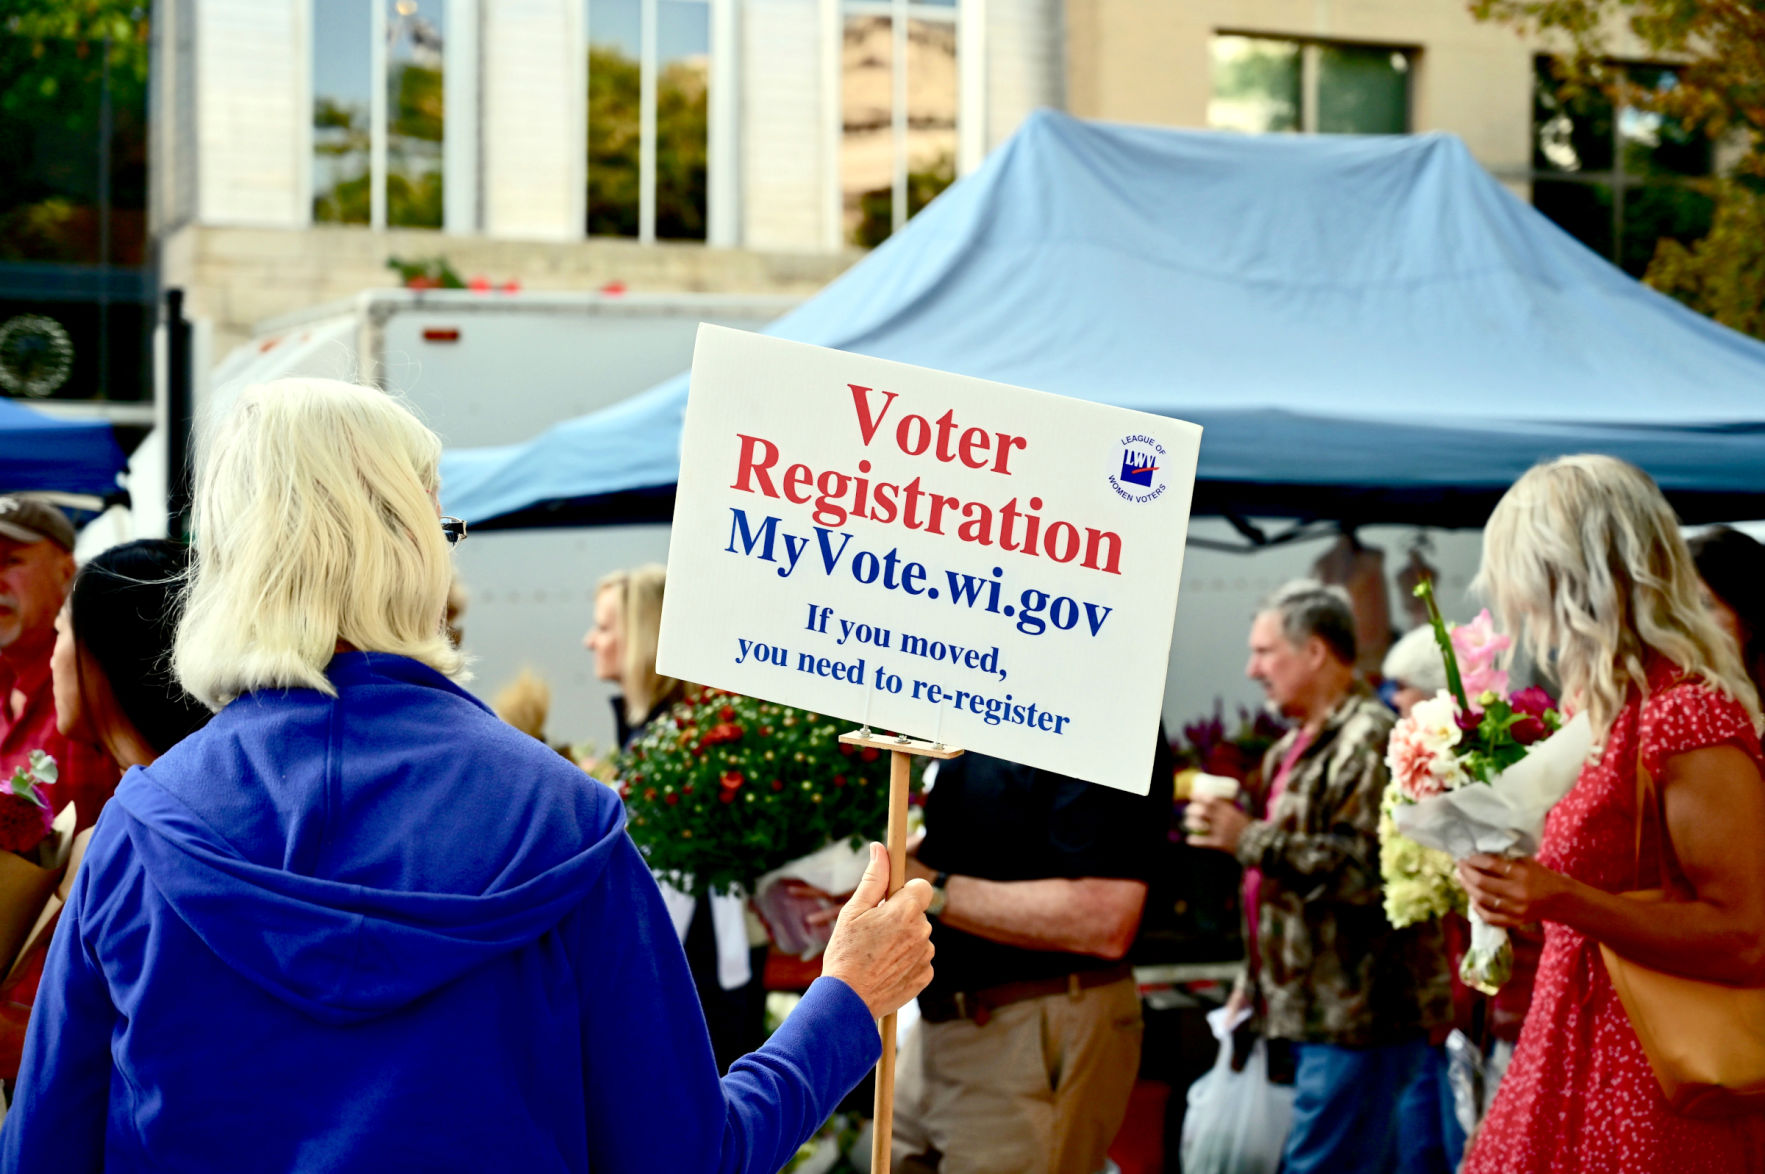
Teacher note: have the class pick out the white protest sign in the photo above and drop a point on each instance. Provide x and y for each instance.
(987, 566)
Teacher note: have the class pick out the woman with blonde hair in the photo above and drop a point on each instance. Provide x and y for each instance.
(1586, 556)
(355, 922)
(1732, 567)
(627, 623)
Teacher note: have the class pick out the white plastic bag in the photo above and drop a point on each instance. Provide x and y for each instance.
(1237, 1122)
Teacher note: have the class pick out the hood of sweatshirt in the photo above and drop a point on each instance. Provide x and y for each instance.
(351, 854)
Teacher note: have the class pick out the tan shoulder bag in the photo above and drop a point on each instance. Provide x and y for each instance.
(1705, 1040)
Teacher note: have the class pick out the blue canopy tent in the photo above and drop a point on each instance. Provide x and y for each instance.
(1369, 329)
(43, 453)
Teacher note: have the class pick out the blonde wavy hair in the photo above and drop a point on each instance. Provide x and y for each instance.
(1585, 555)
(315, 522)
(640, 617)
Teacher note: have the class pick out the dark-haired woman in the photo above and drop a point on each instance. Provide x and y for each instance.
(113, 689)
(1732, 567)
(112, 659)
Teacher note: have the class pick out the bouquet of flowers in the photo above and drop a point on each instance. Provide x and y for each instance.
(1471, 776)
(724, 789)
(34, 848)
(25, 814)
(1208, 746)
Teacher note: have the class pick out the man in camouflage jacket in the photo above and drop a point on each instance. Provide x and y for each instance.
(1356, 997)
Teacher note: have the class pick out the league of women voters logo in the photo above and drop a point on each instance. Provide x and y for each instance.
(1141, 478)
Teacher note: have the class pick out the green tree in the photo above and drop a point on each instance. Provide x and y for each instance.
(876, 208)
(615, 139)
(682, 135)
(53, 71)
(341, 139)
(1722, 275)
(1720, 93)
(415, 129)
(614, 96)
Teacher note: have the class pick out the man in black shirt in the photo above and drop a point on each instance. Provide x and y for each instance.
(1031, 1036)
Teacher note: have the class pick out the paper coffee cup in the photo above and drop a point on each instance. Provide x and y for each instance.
(1206, 786)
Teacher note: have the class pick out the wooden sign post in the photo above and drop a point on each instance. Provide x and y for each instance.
(901, 750)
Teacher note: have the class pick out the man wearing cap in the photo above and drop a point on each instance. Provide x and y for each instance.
(36, 570)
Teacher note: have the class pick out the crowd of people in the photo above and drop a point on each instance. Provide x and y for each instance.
(337, 915)
(355, 922)
(1656, 641)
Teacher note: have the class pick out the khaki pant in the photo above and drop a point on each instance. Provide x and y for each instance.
(1041, 1089)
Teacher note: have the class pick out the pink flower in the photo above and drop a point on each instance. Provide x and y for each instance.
(1410, 760)
(1421, 755)
(1476, 645)
(1487, 679)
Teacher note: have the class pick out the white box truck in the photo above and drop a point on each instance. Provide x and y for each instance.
(495, 368)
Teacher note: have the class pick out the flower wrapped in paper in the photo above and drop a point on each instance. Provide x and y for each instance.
(1469, 778)
(1503, 816)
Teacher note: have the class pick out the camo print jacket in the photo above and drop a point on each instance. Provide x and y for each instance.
(1331, 969)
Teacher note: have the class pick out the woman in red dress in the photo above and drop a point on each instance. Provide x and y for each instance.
(1585, 553)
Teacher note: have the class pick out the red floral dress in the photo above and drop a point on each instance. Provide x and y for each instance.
(1580, 1097)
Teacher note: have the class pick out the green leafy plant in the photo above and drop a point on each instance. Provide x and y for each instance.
(1718, 51)
(723, 789)
(42, 770)
(25, 812)
(426, 273)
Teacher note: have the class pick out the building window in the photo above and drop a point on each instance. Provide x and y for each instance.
(1615, 177)
(416, 121)
(73, 134)
(649, 82)
(378, 162)
(77, 299)
(899, 98)
(343, 52)
(1263, 85)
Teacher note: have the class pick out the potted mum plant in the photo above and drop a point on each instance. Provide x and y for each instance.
(725, 790)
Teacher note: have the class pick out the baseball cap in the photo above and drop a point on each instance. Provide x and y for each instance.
(27, 520)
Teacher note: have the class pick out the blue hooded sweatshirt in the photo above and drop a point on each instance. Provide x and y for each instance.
(380, 932)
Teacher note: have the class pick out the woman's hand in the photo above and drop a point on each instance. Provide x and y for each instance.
(881, 947)
(1507, 891)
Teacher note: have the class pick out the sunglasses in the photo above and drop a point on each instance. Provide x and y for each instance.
(454, 530)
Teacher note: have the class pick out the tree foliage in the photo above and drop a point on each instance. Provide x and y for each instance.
(1719, 46)
(876, 208)
(1722, 275)
(615, 142)
(415, 127)
(54, 67)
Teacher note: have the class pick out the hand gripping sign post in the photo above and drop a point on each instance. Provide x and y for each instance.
(968, 562)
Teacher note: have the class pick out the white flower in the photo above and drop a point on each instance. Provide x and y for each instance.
(1420, 755)
(1436, 724)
